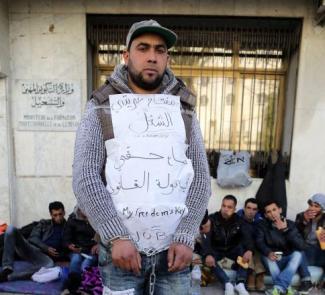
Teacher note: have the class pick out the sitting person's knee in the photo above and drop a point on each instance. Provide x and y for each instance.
(11, 230)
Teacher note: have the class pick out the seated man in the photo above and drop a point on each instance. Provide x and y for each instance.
(256, 271)
(205, 227)
(307, 223)
(43, 246)
(280, 244)
(78, 237)
(227, 238)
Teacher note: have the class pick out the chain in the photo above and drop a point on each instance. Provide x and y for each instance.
(152, 278)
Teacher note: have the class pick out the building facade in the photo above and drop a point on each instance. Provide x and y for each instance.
(48, 70)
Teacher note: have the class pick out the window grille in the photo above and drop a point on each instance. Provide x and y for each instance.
(237, 67)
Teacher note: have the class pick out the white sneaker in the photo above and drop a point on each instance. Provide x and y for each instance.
(229, 289)
(240, 288)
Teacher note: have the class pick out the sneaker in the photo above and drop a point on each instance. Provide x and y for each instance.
(305, 287)
(241, 290)
(274, 291)
(291, 291)
(229, 289)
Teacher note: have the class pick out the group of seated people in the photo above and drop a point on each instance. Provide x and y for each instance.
(256, 242)
(50, 241)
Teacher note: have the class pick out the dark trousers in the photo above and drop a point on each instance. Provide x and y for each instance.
(231, 254)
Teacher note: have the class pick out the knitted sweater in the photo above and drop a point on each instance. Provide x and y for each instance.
(92, 195)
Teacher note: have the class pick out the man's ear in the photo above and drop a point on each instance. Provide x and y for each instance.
(126, 55)
(168, 60)
(280, 210)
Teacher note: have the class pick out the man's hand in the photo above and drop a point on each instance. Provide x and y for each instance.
(74, 248)
(272, 256)
(247, 256)
(309, 215)
(210, 261)
(179, 257)
(126, 256)
(280, 224)
(94, 250)
(52, 252)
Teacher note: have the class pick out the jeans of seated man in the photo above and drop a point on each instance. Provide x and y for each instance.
(303, 268)
(78, 263)
(15, 242)
(315, 256)
(283, 270)
(232, 254)
(166, 283)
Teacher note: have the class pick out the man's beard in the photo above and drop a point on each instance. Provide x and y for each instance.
(137, 79)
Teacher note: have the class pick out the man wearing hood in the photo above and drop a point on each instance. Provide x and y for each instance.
(309, 222)
(140, 130)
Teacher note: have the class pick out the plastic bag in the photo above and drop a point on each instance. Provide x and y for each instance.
(196, 273)
(45, 275)
(233, 169)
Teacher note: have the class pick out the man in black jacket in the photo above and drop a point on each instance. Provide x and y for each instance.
(79, 238)
(42, 247)
(228, 238)
(280, 244)
(308, 223)
(251, 217)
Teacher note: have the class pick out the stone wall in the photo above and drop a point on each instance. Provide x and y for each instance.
(48, 41)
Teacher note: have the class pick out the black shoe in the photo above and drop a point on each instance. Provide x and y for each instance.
(305, 287)
(4, 274)
(73, 282)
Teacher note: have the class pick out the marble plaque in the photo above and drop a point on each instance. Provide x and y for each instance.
(52, 105)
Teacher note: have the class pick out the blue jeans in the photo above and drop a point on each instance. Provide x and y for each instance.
(232, 254)
(15, 242)
(315, 256)
(78, 263)
(303, 268)
(282, 271)
(166, 283)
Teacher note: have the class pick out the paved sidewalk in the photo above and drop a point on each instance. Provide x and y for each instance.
(215, 289)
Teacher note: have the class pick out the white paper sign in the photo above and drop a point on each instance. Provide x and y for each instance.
(148, 174)
(156, 115)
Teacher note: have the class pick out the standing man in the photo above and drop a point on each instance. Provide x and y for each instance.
(281, 246)
(309, 222)
(141, 131)
(256, 270)
(228, 238)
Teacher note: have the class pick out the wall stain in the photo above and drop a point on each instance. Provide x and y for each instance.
(51, 28)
